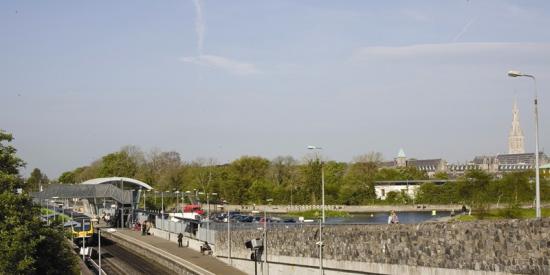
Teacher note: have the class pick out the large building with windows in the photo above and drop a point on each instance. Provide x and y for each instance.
(515, 160)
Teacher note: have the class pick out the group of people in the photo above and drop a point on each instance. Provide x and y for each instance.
(392, 218)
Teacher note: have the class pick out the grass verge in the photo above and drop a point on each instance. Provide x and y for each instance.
(316, 214)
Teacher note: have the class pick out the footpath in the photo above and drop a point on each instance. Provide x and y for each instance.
(206, 264)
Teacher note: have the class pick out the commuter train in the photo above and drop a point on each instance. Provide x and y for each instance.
(83, 230)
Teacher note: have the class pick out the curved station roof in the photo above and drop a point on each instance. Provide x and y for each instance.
(135, 182)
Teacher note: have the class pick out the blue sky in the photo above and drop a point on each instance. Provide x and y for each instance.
(223, 79)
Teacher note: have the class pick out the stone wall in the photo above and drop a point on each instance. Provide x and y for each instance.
(516, 246)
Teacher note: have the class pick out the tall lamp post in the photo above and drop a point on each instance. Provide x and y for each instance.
(265, 234)
(322, 221)
(228, 234)
(177, 192)
(53, 208)
(537, 176)
(316, 148)
(208, 212)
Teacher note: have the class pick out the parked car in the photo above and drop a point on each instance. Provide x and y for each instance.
(289, 220)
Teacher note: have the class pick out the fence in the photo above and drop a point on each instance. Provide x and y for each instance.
(188, 229)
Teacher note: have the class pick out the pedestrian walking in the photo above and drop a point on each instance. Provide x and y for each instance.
(180, 240)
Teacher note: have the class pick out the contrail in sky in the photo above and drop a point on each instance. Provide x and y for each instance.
(199, 26)
(464, 29)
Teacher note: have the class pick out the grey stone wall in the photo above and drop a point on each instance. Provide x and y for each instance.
(516, 246)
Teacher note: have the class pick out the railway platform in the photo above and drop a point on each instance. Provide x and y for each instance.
(202, 264)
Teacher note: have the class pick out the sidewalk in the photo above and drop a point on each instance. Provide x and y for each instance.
(209, 263)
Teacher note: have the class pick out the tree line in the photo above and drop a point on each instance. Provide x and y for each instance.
(254, 179)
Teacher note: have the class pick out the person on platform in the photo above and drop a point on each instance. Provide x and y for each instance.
(180, 240)
(392, 218)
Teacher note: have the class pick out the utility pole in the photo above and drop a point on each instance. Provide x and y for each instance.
(83, 240)
(99, 244)
(228, 237)
(122, 216)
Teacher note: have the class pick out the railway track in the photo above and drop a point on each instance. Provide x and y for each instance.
(116, 260)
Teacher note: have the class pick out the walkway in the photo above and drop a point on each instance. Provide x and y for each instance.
(209, 263)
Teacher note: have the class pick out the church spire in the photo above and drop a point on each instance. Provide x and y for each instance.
(515, 138)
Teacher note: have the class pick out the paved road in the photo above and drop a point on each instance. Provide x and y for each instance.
(209, 263)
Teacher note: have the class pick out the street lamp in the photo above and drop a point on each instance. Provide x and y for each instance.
(177, 192)
(208, 212)
(145, 200)
(311, 147)
(162, 208)
(265, 234)
(537, 176)
(99, 252)
(228, 234)
(53, 204)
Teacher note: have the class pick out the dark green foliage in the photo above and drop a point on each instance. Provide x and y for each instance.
(243, 173)
(118, 164)
(67, 177)
(27, 246)
(36, 179)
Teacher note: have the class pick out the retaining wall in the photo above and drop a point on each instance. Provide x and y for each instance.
(509, 246)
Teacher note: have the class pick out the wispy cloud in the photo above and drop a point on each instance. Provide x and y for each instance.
(427, 51)
(199, 26)
(464, 29)
(223, 63)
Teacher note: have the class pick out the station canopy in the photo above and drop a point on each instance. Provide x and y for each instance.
(69, 191)
(96, 188)
(116, 180)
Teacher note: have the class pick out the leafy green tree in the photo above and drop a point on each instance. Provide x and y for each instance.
(388, 174)
(260, 191)
(358, 187)
(334, 177)
(36, 179)
(441, 175)
(243, 172)
(284, 174)
(27, 246)
(310, 188)
(67, 177)
(430, 193)
(9, 165)
(516, 187)
(118, 164)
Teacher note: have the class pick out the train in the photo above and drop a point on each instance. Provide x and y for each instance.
(82, 231)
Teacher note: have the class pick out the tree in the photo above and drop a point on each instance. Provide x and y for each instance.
(310, 189)
(27, 246)
(67, 177)
(284, 175)
(370, 157)
(118, 164)
(9, 164)
(243, 172)
(36, 179)
(358, 183)
(441, 175)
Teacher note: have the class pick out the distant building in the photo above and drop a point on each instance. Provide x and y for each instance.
(407, 187)
(430, 166)
(515, 138)
(515, 160)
